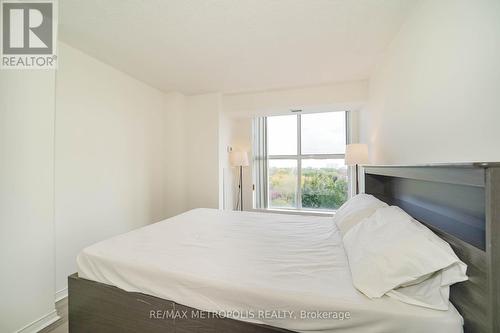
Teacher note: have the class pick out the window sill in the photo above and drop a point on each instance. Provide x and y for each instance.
(296, 212)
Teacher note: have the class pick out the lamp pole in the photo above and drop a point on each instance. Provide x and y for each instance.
(239, 159)
(241, 187)
(357, 179)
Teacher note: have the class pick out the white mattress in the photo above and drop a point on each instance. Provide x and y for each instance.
(242, 263)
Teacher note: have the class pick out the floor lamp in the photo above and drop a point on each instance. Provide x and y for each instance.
(239, 159)
(356, 154)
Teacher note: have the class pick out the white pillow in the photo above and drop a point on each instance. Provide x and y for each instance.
(356, 209)
(392, 254)
(433, 292)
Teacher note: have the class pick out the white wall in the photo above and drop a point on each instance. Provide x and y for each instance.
(26, 198)
(436, 96)
(202, 150)
(119, 155)
(175, 200)
(338, 96)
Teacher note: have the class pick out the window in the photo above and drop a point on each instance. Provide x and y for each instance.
(304, 163)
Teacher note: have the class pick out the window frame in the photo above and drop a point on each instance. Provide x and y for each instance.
(299, 157)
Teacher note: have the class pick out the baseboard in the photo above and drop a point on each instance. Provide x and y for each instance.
(40, 323)
(61, 294)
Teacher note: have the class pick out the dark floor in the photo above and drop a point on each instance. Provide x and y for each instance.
(60, 326)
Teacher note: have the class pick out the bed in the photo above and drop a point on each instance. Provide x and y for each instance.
(213, 271)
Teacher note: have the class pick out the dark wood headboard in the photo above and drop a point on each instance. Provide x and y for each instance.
(460, 203)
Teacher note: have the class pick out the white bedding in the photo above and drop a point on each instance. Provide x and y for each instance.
(243, 263)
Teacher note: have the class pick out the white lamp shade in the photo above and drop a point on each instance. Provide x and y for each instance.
(238, 158)
(356, 153)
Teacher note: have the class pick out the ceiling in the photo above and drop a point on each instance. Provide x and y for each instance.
(198, 46)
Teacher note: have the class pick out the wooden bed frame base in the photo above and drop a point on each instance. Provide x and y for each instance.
(97, 307)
